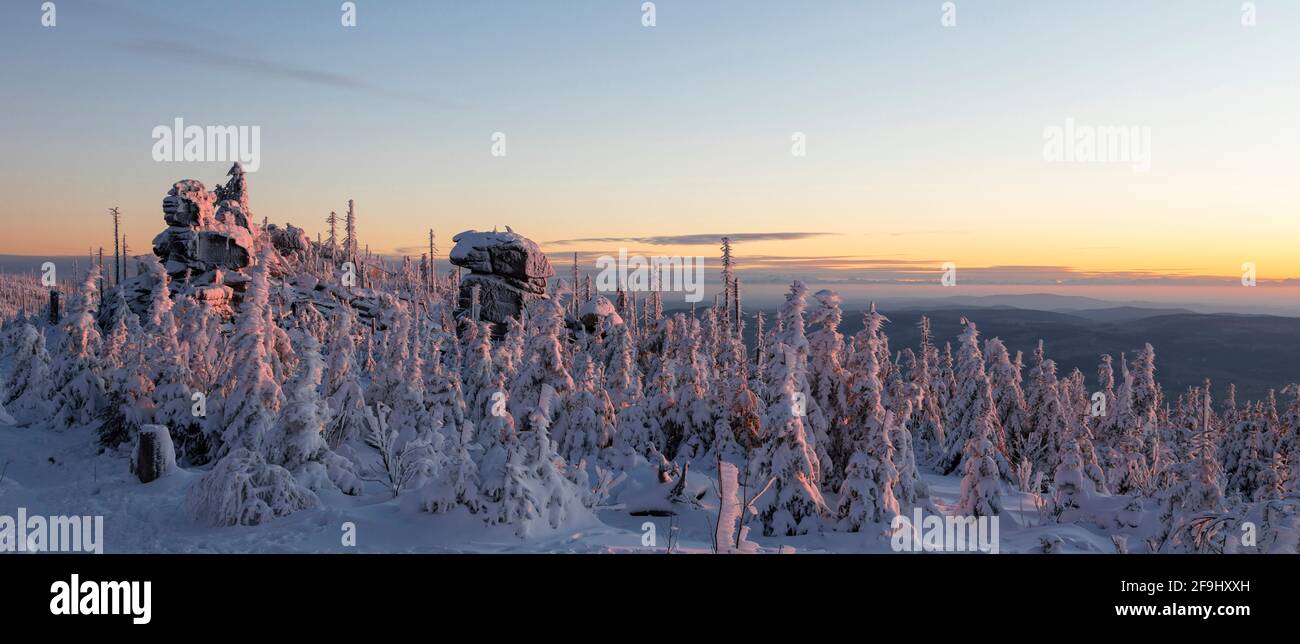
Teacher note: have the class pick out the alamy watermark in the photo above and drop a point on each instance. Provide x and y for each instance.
(58, 533)
(181, 142)
(77, 597)
(660, 273)
(1077, 143)
(936, 533)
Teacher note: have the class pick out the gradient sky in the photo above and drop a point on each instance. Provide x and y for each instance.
(924, 142)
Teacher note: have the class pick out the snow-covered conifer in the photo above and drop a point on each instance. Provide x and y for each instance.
(1008, 399)
(77, 386)
(981, 493)
(27, 396)
(346, 400)
(298, 441)
(251, 397)
(795, 504)
(970, 409)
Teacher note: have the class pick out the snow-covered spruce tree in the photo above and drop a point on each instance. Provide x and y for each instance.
(479, 373)
(927, 416)
(622, 379)
(1105, 429)
(443, 397)
(199, 327)
(1008, 400)
(794, 505)
(1072, 490)
(129, 385)
(870, 477)
(639, 429)
(1195, 492)
(738, 425)
(347, 402)
(1046, 415)
(29, 387)
(1248, 469)
(172, 397)
(494, 438)
(298, 441)
(1078, 475)
(514, 501)
(970, 408)
(393, 353)
(981, 493)
(1080, 436)
(77, 386)
(558, 495)
(279, 348)
(1288, 425)
(589, 414)
(541, 367)
(662, 423)
(510, 352)
(787, 364)
(1074, 396)
(1147, 398)
(692, 414)
(251, 397)
(409, 430)
(828, 379)
(1230, 413)
(945, 382)
(457, 484)
(1129, 465)
(911, 490)
(536, 495)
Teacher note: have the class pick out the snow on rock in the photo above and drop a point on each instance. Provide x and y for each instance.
(508, 270)
(154, 455)
(508, 254)
(290, 240)
(207, 230)
(596, 311)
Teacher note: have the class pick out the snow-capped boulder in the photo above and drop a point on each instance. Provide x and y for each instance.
(290, 240)
(598, 311)
(508, 269)
(507, 254)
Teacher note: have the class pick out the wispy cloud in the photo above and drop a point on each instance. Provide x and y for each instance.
(692, 240)
(141, 26)
(192, 54)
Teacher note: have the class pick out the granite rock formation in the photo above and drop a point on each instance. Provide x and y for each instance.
(508, 269)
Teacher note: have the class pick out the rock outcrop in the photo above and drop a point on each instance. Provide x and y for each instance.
(508, 269)
(210, 237)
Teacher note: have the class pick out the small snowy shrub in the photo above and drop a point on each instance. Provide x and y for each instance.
(243, 489)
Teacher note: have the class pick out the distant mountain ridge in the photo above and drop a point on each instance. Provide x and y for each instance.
(1256, 352)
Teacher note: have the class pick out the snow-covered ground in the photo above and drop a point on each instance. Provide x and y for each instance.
(50, 472)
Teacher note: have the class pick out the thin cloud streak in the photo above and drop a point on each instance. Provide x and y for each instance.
(692, 240)
(271, 69)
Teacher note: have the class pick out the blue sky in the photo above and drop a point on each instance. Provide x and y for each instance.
(924, 142)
